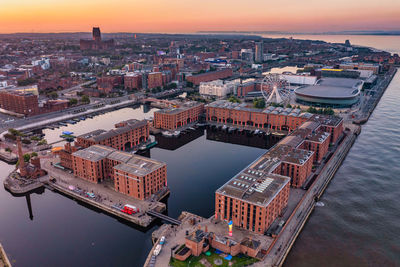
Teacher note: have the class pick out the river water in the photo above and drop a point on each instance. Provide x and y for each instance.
(357, 226)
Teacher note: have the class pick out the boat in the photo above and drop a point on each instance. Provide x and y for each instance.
(224, 127)
(157, 250)
(82, 118)
(63, 124)
(256, 131)
(176, 133)
(166, 133)
(162, 240)
(67, 133)
(76, 119)
(191, 128)
(71, 122)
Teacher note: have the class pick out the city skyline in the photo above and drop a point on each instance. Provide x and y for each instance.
(178, 16)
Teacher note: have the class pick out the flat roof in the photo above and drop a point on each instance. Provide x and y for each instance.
(94, 153)
(130, 163)
(328, 120)
(120, 156)
(254, 186)
(100, 135)
(140, 166)
(183, 107)
(324, 91)
(268, 109)
(340, 82)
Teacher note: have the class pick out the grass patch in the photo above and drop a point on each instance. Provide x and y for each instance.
(238, 260)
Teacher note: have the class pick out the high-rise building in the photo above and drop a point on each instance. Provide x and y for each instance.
(259, 52)
(96, 34)
(96, 43)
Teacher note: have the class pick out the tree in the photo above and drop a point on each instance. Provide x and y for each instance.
(26, 82)
(53, 95)
(288, 106)
(35, 138)
(27, 157)
(73, 101)
(189, 84)
(26, 141)
(34, 154)
(259, 103)
(42, 142)
(8, 150)
(14, 132)
(233, 99)
(85, 99)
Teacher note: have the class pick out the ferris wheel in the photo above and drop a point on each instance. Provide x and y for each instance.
(275, 89)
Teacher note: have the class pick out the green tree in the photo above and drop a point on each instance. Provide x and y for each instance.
(26, 82)
(34, 154)
(27, 157)
(233, 99)
(259, 103)
(73, 101)
(35, 138)
(53, 95)
(85, 99)
(42, 142)
(14, 132)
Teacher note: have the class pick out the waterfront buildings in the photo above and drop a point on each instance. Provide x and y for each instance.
(200, 241)
(272, 118)
(252, 199)
(19, 102)
(133, 175)
(126, 135)
(256, 196)
(25, 101)
(175, 117)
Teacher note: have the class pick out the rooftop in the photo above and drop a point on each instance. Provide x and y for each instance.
(139, 166)
(269, 109)
(332, 88)
(94, 153)
(183, 107)
(254, 186)
(100, 135)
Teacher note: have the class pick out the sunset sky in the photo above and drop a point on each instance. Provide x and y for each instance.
(191, 16)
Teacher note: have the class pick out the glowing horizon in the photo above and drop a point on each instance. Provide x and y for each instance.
(180, 16)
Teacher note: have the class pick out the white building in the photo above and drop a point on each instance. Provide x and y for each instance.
(44, 63)
(3, 84)
(294, 79)
(217, 88)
